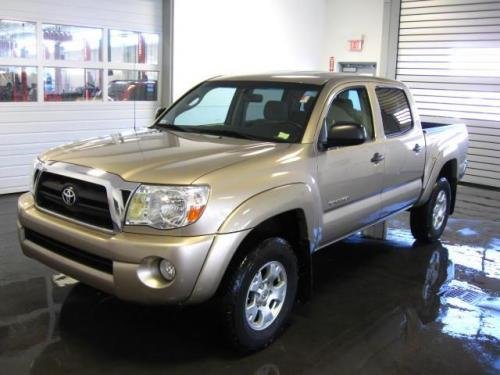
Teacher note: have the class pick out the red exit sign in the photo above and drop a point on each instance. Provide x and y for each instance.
(356, 45)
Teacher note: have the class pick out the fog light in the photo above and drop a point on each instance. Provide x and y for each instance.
(167, 270)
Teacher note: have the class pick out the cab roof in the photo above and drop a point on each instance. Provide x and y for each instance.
(307, 77)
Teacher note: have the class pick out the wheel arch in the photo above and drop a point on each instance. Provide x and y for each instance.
(287, 212)
(449, 170)
(292, 227)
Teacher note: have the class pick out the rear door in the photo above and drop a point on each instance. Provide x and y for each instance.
(404, 150)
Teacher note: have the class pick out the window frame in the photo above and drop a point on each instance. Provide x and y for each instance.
(40, 63)
(401, 132)
(21, 59)
(138, 34)
(333, 95)
(52, 60)
(22, 62)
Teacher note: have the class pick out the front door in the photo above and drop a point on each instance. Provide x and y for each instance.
(350, 178)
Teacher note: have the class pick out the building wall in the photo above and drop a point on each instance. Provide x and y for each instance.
(235, 36)
(347, 20)
(26, 129)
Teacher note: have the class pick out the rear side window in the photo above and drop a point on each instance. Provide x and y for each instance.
(395, 110)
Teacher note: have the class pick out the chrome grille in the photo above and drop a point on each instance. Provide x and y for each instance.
(91, 205)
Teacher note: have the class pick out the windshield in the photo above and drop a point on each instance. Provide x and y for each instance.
(268, 111)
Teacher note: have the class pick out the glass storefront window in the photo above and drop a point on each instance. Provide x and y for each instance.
(122, 46)
(17, 39)
(132, 85)
(72, 43)
(83, 46)
(18, 84)
(72, 84)
(133, 47)
(149, 45)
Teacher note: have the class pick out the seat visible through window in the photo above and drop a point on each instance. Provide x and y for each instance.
(351, 105)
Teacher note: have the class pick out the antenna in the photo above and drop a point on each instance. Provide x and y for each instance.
(138, 74)
(135, 99)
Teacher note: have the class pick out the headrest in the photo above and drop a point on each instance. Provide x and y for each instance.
(275, 110)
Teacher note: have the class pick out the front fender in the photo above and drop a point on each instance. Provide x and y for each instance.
(242, 220)
(273, 202)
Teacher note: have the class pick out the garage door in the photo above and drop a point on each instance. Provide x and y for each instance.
(449, 56)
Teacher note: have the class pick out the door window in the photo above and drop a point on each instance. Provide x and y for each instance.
(395, 110)
(351, 105)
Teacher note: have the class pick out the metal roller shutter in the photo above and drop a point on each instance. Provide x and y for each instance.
(449, 56)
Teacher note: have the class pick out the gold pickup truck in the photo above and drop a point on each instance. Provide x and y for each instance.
(230, 191)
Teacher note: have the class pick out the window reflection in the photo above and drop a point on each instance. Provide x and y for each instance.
(133, 47)
(83, 45)
(72, 84)
(148, 48)
(17, 39)
(132, 85)
(72, 43)
(18, 84)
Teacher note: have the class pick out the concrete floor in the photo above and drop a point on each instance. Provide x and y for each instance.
(379, 307)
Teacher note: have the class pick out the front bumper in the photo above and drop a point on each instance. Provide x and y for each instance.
(126, 251)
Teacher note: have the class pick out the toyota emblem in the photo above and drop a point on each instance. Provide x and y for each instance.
(68, 195)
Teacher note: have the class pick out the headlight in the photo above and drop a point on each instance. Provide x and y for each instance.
(166, 207)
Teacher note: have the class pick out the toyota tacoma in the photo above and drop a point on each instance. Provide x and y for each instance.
(227, 195)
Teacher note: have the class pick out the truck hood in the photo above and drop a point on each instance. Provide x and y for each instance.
(161, 157)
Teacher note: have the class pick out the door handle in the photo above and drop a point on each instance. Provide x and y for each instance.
(377, 158)
(417, 148)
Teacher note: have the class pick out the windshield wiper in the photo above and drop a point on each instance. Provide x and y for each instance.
(200, 130)
(172, 127)
(229, 133)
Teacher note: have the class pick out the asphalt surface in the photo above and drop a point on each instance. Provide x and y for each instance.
(379, 307)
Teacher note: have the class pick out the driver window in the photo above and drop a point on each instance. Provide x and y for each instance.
(351, 105)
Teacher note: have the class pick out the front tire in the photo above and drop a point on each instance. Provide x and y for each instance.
(427, 222)
(259, 294)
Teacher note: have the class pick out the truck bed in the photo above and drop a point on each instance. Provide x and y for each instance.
(443, 141)
(431, 125)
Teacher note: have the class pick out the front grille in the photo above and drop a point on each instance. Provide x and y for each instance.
(91, 204)
(70, 252)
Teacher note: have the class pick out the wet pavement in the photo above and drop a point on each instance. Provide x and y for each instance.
(379, 307)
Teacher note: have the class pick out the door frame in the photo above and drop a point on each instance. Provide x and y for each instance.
(378, 140)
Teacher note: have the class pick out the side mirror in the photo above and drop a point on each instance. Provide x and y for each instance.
(159, 112)
(345, 134)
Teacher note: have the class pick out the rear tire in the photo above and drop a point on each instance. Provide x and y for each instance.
(258, 295)
(427, 222)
